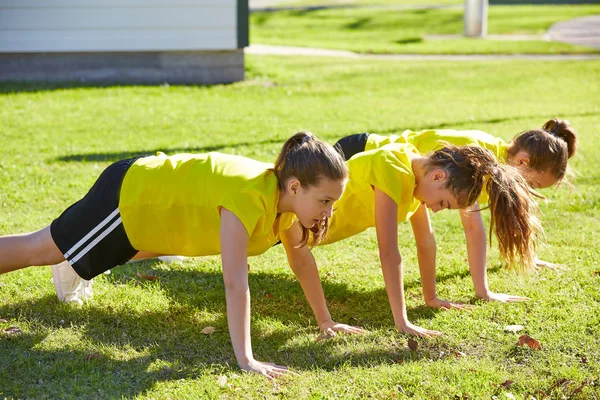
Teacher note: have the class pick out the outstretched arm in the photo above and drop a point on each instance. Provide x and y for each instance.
(386, 224)
(477, 254)
(234, 245)
(303, 263)
(426, 253)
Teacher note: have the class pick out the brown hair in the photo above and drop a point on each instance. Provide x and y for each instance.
(472, 169)
(549, 148)
(309, 160)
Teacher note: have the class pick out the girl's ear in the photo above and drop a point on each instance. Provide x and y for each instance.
(521, 159)
(438, 175)
(293, 185)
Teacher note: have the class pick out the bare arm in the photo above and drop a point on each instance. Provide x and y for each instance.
(477, 254)
(304, 266)
(234, 245)
(386, 224)
(426, 253)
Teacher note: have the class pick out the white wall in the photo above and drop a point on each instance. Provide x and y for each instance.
(117, 25)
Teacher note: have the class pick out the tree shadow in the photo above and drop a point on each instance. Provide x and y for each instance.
(119, 155)
(358, 24)
(473, 123)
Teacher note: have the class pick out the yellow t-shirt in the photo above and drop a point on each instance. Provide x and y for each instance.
(171, 204)
(431, 140)
(388, 169)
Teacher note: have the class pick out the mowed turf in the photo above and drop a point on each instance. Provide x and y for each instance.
(143, 339)
(418, 29)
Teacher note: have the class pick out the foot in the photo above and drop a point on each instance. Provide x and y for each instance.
(70, 287)
(171, 259)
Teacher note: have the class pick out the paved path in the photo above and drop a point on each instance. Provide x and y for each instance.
(262, 49)
(583, 31)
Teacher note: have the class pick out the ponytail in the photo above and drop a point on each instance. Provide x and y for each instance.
(309, 160)
(562, 129)
(513, 217)
(472, 169)
(549, 148)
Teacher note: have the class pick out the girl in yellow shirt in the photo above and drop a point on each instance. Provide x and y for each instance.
(192, 204)
(395, 182)
(541, 157)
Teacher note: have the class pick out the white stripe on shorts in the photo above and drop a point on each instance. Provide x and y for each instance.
(87, 248)
(91, 233)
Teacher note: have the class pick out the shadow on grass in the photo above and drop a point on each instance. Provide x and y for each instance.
(167, 345)
(358, 24)
(409, 40)
(473, 123)
(36, 87)
(120, 155)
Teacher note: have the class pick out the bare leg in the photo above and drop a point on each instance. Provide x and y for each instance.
(35, 248)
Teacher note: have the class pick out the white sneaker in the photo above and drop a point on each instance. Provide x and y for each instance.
(171, 259)
(70, 287)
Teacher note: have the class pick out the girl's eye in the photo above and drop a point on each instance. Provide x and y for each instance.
(324, 201)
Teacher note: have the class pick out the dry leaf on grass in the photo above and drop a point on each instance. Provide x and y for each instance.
(147, 277)
(208, 330)
(12, 330)
(459, 354)
(529, 341)
(268, 296)
(3, 320)
(585, 360)
(506, 384)
(413, 344)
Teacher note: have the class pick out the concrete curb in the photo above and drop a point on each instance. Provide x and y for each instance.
(261, 49)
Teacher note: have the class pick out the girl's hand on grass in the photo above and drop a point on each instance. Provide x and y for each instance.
(331, 327)
(446, 305)
(417, 330)
(504, 298)
(539, 264)
(270, 370)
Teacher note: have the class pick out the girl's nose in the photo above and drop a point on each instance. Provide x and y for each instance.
(328, 212)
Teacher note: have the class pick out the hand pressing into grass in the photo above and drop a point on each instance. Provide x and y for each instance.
(330, 327)
(446, 305)
(269, 370)
(502, 297)
(412, 329)
(539, 264)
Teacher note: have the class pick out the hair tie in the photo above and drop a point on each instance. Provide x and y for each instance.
(307, 138)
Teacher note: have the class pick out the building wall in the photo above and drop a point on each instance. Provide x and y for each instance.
(117, 25)
(123, 41)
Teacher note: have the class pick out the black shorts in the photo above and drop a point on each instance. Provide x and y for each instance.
(351, 145)
(90, 233)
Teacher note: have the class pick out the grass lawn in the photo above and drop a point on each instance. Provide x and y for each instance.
(385, 30)
(142, 339)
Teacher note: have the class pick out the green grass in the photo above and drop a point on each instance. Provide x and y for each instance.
(140, 339)
(381, 30)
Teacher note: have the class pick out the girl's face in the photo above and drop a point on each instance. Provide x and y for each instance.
(536, 179)
(313, 203)
(431, 192)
